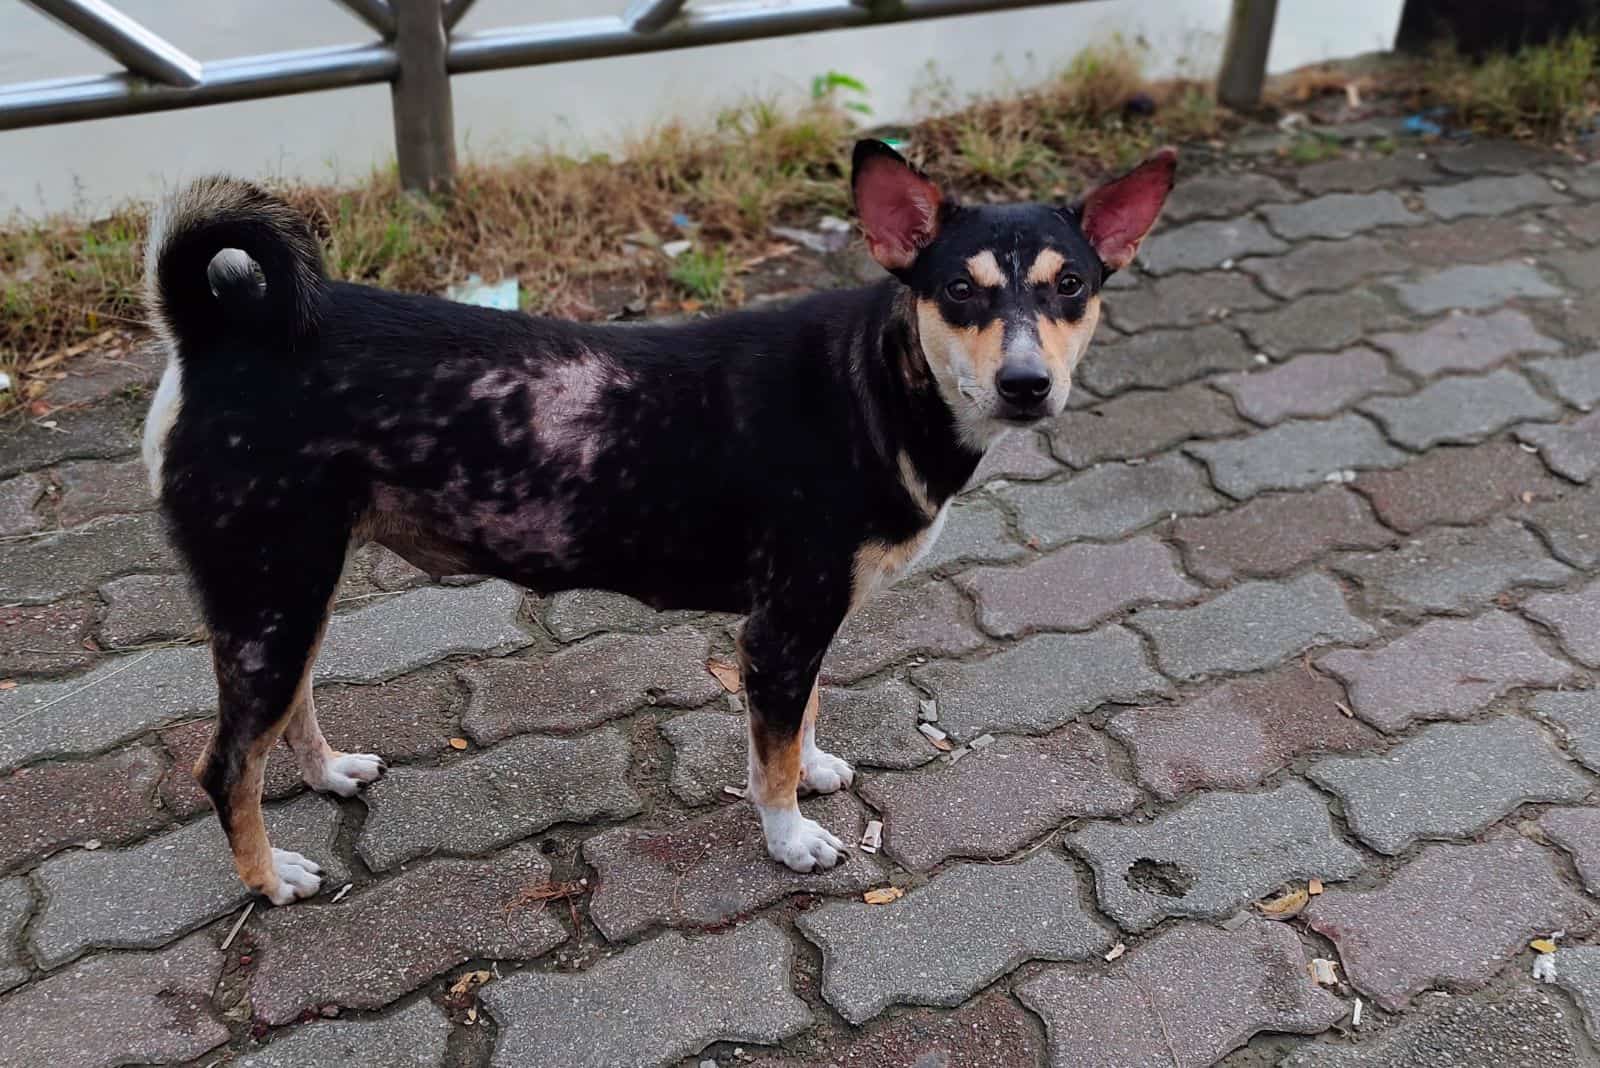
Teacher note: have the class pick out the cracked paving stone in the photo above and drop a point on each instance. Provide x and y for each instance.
(1456, 486)
(47, 639)
(1571, 450)
(575, 614)
(1575, 379)
(41, 570)
(1299, 454)
(1575, 618)
(874, 956)
(1322, 322)
(53, 805)
(485, 801)
(974, 532)
(1041, 682)
(1455, 569)
(586, 685)
(1449, 781)
(1473, 286)
(1274, 535)
(1462, 342)
(1444, 669)
(94, 488)
(414, 1037)
(1111, 500)
(1310, 386)
(147, 608)
(166, 885)
(1185, 300)
(1576, 713)
(393, 936)
(996, 799)
(893, 624)
(712, 871)
(1251, 626)
(1075, 587)
(117, 1008)
(1325, 266)
(1578, 973)
(1491, 196)
(1452, 917)
(1141, 423)
(415, 629)
(17, 499)
(100, 432)
(1222, 195)
(1143, 1011)
(652, 1004)
(1159, 359)
(16, 904)
(1577, 831)
(1203, 245)
(987, 1032)
(1460, 409)
(1338, 215)
(1234, 735)
(1568, 524)
(1220, 851)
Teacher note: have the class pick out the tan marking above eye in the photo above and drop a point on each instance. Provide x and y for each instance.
(985, 270)
(1046, 265)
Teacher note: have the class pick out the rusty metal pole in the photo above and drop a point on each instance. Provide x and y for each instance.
(1244, 54)
(424, 118)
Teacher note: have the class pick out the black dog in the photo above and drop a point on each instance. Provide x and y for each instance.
(780, 463)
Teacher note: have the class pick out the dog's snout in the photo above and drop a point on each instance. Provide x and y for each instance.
(1023, 383)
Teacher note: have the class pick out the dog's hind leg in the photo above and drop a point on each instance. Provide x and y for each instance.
(323, 767)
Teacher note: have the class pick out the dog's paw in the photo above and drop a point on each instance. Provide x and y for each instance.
(297, 877)
(343, 773)
(823, 773)
(802, 844)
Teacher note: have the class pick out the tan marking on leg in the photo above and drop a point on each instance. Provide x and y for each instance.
(985, 270)
(1046, 266)
(775, 775)
(247, 830)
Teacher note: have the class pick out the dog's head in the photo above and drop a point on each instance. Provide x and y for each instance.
(1006, 296)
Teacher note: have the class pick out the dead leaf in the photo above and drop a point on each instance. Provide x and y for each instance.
(1286, 906)
(469, 981)
(726, 673)
(690, 306)
(1543, 945)
(1314, 887)
(8, 684)
(458, 743)
(1346, 709)
(883, 895)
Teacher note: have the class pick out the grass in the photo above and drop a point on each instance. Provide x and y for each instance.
(703, 275)
(1547, 90)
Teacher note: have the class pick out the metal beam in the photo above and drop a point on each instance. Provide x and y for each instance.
(454, 11)
(648, 16)
(124, 40)
(375, 13)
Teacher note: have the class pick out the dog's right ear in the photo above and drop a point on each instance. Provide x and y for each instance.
(897, 205)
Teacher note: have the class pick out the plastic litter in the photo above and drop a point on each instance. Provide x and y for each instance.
(502, 294)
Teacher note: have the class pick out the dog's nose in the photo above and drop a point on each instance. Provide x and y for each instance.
(1022, 384)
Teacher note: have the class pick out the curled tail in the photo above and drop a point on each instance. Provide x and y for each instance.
(227, 261)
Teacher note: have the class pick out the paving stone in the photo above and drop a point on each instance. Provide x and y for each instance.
(1452, 917)
(166, 885)
(1585, 180)
(1041, 682)
(1366, 175)
(40, 570)
(1450, 781)
(997, 799)
(1325, 266)
(16, 904)
(1202, 245)
(94, 488)
(1575, 380)
(415, 629)
(1276, 534)
(103, 432)
(484, 801)
(987, 1032)
(1219, 852)
(1298, 454)
(394, 573)
(1497, 157)
(1454, 569)
(1522, 1027)
(52, 805)
(1474, 286)
(1581, 269)
(1076, 587)
(393, 936)
(1310, 385)
(414, 1037)
(95, 375)
(46, 639)
(147, 608)
(1580, 220)
(1463, 342)
(1157, 359)
(1142, 423)
(1320, 322)
(1251, 626)
(18, 496)
(182, 796)
(1578, 973)
(1111, 500)
(1575, 618)
(1491, 196)
(1460, 409)
(1222, 196)
(575, 614)
(1577, 715)
(652, 1004)
(712, 871)
(1474, 240)
(117, 1008)
(1571, 450)
(874, 956)
(1143, 1011)
(1339, 215)
(584, 686)
(1019, 454)
(1457, 486)
(1237, 733)
(896, 623)
(1568, 524)
(1185, 300)
(974, 531)
(1577, 830)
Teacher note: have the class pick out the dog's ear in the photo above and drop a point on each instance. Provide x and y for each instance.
(1118, 215)
(897, 205)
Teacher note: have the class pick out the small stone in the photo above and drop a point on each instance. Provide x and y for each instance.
(1466, 343)
(414, 1037)
(1571, 450)
(1274, 535)
(1310, 386)
(1339, 215)
(1458, 486)
(1475, 286)
(1491, 196)
(1111, 500)
(1460, 409)
(1295, 455)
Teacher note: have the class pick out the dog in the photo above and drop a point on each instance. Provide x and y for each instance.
(781, 464)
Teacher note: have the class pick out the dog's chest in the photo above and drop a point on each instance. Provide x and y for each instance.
(880, 564)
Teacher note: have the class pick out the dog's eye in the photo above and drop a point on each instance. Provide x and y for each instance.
(960, 289)
(1070, 286)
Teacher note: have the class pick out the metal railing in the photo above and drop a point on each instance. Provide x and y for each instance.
(418, 51)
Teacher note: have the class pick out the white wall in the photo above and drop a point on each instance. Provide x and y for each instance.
(86, 166)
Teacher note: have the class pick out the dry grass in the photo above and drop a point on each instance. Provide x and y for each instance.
(1547, 90)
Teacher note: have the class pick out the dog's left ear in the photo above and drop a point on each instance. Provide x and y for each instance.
(1118, 215)
(897, 204)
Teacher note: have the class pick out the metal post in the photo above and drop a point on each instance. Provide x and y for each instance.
(124, 40)
(1244, 54)
(424, 120)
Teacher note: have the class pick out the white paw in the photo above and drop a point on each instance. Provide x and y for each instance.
(823, 773)
(344, 773)
(297, 877)
(799, 843)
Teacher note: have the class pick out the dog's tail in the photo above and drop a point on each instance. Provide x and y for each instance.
(227, 261)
